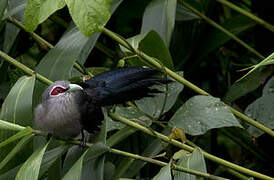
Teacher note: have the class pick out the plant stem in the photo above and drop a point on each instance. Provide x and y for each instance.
(26, 69)
(142, 158)
(189, 148)
(45, 43)
(217, 26)
(180, 79)
(160, 163)
(248, 14)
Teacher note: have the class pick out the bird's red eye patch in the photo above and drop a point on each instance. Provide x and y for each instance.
(57, 90)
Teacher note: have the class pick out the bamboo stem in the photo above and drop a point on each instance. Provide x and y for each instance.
(179, 78)
(189, 148)
(26, 69)
(248, 14)
(45, 43)
(217, 26)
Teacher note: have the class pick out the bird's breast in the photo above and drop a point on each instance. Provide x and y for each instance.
(59, 116)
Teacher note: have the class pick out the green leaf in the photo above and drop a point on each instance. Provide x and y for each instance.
(269, 87)
(134, 42)
(202, 113)
(95, 151)
(38, 11)
(159, 15)
(11, 32)
(129, 113)
(120, 135)
(185, 14)
(17, 109)
(10, 175)
(165, 173)
(3, 5)
(27, 131)
(50, 157)
(30, 169)
(154, 46)
(267, 61)
(193, 161)
(92, 153)
(16, 8)
(90, 16)
(58, 62)
(15, 150)
(153, 148)
(108, 171)
(262, 111)
(4, 125)
(244, 86)
(153, 105)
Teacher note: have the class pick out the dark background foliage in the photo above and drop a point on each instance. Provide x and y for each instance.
(209, 59)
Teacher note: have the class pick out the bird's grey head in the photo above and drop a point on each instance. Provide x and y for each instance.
(59, 88)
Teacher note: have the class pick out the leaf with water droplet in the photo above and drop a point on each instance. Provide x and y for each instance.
(202, 113)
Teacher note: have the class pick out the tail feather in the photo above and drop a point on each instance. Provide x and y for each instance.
(123, 84)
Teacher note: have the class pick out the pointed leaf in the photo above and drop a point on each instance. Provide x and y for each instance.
(16, 8)
(38, 11)
(246, 85)
(50, 157)
(58, 62)
(27, 131)
(165, 173)
(30, 169)
(17, 108)
(193, 161)
(15, 150)
(89, 16)
(202, 113)
(153, 106)
(4, 125)
(154, 46)
(159, 15)
(3, 6)
(262, 111)
(93, 152)
(76, 170)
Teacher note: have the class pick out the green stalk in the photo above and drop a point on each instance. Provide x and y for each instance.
(135, 156)
(160, 163)
(180, 79)
(26, 69)
(217, 26)
(45, 44)
(248, 14)
(238, 175)
(189, 148)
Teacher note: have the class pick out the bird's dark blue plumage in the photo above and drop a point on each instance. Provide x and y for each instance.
(118, 86)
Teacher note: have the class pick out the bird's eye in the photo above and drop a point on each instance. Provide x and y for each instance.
(57, 90)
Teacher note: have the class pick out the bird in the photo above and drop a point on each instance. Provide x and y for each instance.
(67, 109)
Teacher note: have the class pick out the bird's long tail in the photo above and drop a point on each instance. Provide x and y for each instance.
(125, 84)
